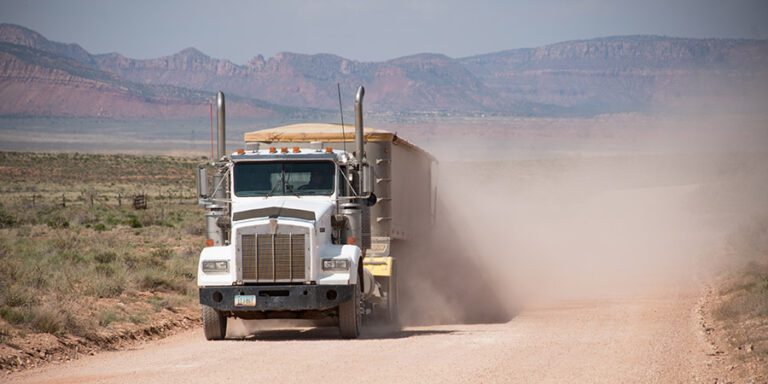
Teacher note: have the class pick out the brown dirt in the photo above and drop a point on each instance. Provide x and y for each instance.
(646, 338)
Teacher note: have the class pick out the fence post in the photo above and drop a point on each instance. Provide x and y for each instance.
(63, 201)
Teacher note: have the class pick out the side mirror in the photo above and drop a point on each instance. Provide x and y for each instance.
(371, 200)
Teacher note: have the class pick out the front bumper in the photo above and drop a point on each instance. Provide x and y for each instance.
(277, 297)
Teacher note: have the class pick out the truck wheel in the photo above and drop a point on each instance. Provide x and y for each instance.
(350, 315)
(214, 324)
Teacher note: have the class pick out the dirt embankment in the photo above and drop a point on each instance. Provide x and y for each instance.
(31, 350)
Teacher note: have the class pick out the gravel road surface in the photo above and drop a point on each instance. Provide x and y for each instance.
(643, 339)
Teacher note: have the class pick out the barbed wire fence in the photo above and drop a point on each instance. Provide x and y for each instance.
(140, 199)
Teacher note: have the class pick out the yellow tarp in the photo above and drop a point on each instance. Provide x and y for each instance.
(299, 133)
(307, 133)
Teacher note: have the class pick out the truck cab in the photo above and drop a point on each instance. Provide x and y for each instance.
(292, 251)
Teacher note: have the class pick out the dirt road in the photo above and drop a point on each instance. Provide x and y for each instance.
(644, 339)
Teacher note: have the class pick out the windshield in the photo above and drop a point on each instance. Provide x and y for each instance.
(292, 178)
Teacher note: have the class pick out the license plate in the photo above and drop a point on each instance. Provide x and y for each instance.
(245, 300)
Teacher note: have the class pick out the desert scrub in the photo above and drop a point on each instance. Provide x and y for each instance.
(76, 256)
(747, 293)
(742, 307)
(7, 219)
(49, 273)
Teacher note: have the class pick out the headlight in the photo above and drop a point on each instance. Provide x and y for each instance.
(215, 266)
(338, 265)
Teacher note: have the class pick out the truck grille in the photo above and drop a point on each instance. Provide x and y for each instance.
(273, 258)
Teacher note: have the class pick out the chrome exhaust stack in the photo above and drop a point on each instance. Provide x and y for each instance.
(359, 212)
(220, 188)
(366, 179)
(221, 122)
(215, 202)
(359, 132)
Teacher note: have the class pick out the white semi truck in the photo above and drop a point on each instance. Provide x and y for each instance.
(303, 224)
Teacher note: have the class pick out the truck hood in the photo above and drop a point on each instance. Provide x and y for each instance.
(305, 208)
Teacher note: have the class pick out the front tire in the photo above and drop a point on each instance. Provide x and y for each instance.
(350, 315)
(214, 324)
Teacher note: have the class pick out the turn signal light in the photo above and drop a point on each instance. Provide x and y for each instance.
(351, 240)
(209, 243)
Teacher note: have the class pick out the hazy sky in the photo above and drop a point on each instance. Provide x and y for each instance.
(370, 30)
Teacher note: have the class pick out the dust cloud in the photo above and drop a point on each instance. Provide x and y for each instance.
(626, 206)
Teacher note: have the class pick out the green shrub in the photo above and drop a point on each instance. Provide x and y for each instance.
(108, 317)
(134, 222)
(68, 256)
(105, 257)
(106, 270)
(57, 222)
(155, 280)
(162, 254)
(138, 318)
(184, 269)
(105, 286)
(15, 316)
(48, 319)
(35, 276)
(7, 220)
(14, 296)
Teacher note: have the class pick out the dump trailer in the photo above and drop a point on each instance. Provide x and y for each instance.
(308, 221)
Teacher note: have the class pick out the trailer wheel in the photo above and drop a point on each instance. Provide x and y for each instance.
(214, 324)
(350, 314)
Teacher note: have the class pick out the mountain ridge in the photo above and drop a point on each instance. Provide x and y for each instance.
(602, 75)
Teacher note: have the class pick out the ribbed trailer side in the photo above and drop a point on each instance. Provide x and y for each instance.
(411, 191)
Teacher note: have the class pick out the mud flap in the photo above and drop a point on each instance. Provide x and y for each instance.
(371, 288)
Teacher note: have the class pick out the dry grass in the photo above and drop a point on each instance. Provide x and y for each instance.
(743, 309)
(82, 268)
(742, 306)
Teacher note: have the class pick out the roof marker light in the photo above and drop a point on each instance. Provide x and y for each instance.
(241, 151)
(272, 150)
(328, 150)
(296, 150)
(283, 149)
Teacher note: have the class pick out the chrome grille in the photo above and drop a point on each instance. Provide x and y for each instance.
(273, 258)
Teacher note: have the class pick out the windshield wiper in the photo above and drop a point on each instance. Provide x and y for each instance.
(289, 187)
(282, 174)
